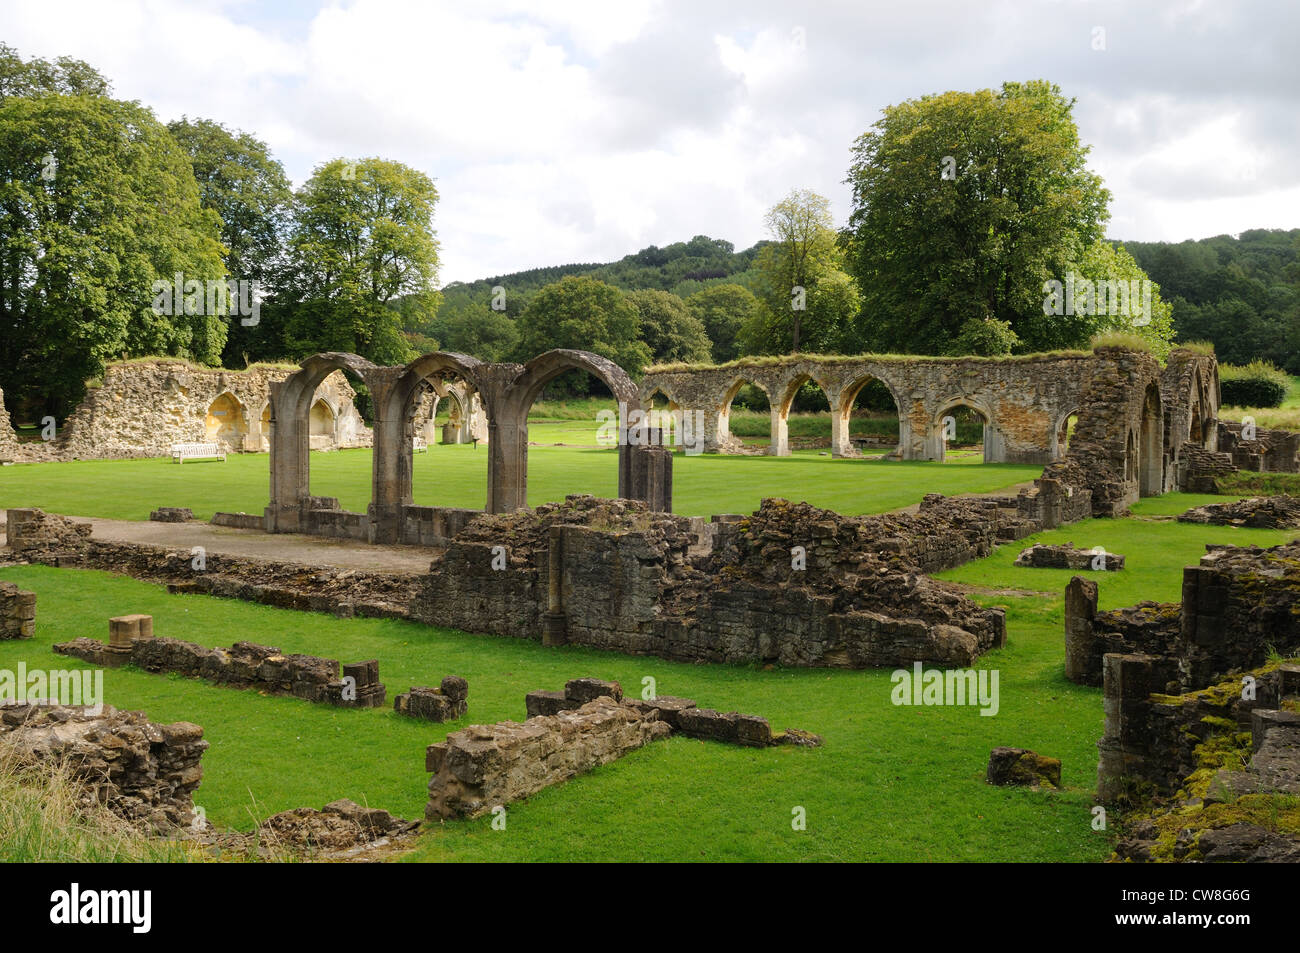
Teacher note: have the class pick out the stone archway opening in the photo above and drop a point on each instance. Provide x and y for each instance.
(1151, 458)
(324, 426)
(664, 414)
(868, 420)
(1064, 433)
(448, 468)
(804, 419)
(745, 420)
(962, 429)
(225, 422)
(320, 425)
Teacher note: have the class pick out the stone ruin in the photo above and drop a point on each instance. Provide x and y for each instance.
(172, 514)
(487, 766)
(447, 702)
(1022, 767)
(143, 407)
(17, 612)
(1261, 512)
(141, 771)
(1047, 556)
(243, 665)
(614, 575)
(1237, 607)
(680, 714)
(568, 733)
(1199, 714)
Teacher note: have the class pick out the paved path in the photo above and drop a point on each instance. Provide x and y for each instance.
(254, 544)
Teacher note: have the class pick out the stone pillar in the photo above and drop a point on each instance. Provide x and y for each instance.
(650, 477)
(780, 444)
(123, 632)
(391, 462)
(841, 445)
(508, 464)
(1080, 641)
(555, 623)
(1127, 684)
(17, 612)
(290, 463)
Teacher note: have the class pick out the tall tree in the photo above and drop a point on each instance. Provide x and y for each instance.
(34, 77)
(362, 235)
(723, 310)
(803, 250)
(97, 202)
(669, 329)
(581, 312)
(249, 190)
(964, 204)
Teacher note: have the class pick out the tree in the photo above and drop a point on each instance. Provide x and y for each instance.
(249, 190)
(362, 235)
(35, 77)
(669, 329)
(803, 250)
(964, 204)
(97, 202)
(469, 326)
(583, 313)
(723, 309)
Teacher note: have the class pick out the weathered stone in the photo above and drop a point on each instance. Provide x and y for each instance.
(1263, 512)
(579, 691)
(486, 766)
(172, 514)
(17, 612)
(1020, 766)
(1048, 556)
(435, 704)
(144, 772)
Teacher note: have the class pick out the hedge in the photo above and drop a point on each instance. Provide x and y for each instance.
(1257, 384)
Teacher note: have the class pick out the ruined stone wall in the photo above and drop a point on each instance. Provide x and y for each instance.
(142, 771)
(8, 438)
(141, 408)
(243, 665)
(1272, 451)
(612, 575)
(1237, 606)
(486, 766)
(17, 612)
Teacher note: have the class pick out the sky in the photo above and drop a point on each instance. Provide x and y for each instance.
(584, 131)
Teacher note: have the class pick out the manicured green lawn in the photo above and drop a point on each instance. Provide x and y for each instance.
(892, 783)
(457, 476)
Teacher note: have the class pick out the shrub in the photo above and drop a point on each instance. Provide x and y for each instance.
(1257, 384)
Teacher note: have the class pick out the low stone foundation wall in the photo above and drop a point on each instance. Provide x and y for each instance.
(1045, 556)
(17, 612)
(1260, 512)
(1271, 451)
(33, 531)
(142, 771)
(434, 525)
(486, 766)
(243, 665)
(447, 702)
(239, 520)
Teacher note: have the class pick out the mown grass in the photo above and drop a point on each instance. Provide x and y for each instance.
(892, 783)
(457, 476)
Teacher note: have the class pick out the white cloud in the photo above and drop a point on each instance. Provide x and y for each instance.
(582, 131)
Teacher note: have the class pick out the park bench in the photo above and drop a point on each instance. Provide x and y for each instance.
(419, 445)
(197, 451)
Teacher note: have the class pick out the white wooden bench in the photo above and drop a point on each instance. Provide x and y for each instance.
(197, 451)
(419, 445)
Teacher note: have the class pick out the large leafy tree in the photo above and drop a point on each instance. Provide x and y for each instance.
(468, 324)
(35, 77)
(669, 329)
(803, 252)
(362, 236)
(583, 313)
(240, 181)
(723, 310)
(97, 201)
(964, 204)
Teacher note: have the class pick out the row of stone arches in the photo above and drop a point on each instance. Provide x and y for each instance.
(239, 427)
(506, 392)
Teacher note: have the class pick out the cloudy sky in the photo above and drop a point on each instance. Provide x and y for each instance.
(584, 131)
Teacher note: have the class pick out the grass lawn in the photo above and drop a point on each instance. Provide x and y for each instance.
(457, 476)
(891, 783)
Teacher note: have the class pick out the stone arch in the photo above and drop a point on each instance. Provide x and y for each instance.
(508, 421)
(290, 433)
(1060, 428)
(842, 413)
(395, 401)
(321, 420)
(938, 445)
(780, 411)
(723, 425)
(1151, 453)
(225, 421)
